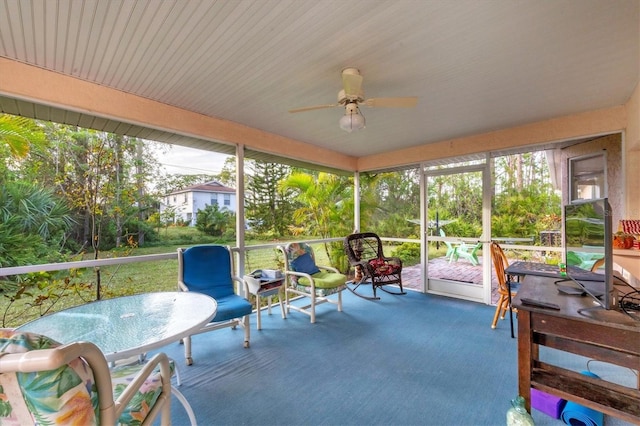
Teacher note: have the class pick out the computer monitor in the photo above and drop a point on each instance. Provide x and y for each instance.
(588, 238)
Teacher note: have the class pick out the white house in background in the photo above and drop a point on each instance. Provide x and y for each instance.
(186, 202)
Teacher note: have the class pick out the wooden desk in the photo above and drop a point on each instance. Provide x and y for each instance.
(608, 336)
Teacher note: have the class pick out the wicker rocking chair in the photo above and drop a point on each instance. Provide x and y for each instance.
(371, 266)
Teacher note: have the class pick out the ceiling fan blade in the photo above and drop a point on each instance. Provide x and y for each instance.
(409, 102)
(352, 84)
(311, 108)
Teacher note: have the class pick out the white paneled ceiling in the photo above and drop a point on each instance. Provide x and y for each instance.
(476, 66)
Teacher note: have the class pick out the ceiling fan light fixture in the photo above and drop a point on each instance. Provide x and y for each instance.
(352, 118)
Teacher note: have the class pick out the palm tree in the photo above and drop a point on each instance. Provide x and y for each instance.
(327, 203)
(327, 208)
(36, 215)
(19, 133)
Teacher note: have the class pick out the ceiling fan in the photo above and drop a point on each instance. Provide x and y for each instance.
(352, 96)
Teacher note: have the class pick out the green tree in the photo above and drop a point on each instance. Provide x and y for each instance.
(214, 220)
(395, 199)
(104, 179)
(227, 175)
(101, 177)
(458, 198)
(268, 207)
(33, 221)
(524, 202)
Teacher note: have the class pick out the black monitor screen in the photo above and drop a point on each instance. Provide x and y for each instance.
(588, 250)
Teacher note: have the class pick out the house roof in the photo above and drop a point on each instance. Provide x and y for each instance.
(213, 187)
(475, 67)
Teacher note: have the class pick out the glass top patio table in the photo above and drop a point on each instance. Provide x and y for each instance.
(131, 325)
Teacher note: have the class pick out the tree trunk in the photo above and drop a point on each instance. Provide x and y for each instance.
(141, 205)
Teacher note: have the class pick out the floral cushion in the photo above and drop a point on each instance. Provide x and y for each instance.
(293, 251)
(321, 292)
(383, 267)
(66, 395)
(144, 400)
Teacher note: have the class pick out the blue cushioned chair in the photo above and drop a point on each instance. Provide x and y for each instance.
(209, 269)
(305, 278)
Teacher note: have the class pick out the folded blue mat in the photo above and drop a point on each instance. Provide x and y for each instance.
(579, 415)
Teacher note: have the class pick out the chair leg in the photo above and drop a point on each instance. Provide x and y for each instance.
(506, 305)
(382, 287)
(339, 301)
(286, 301)
(357, 284)
(282, 311)
(312, 308)
(258, 309)
(498, 311)
(185, 404)
(247, 331)
(187, 350)
(505, 308)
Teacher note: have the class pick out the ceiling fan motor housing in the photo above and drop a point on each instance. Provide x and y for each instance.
(343, 99)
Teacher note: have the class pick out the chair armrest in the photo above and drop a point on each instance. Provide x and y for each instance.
(241, 286)
(393, 259)
(50, 359)
(246, 289)
(134, 386)
(182, 286)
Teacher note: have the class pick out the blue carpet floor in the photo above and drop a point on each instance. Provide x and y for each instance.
(403, 360)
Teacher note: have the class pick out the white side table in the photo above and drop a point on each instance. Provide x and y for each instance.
(265, 287)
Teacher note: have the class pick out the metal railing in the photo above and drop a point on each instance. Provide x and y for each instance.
(48, 267)
(247, 258)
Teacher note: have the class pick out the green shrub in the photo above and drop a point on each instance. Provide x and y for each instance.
(214, 220)
(408, 252)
